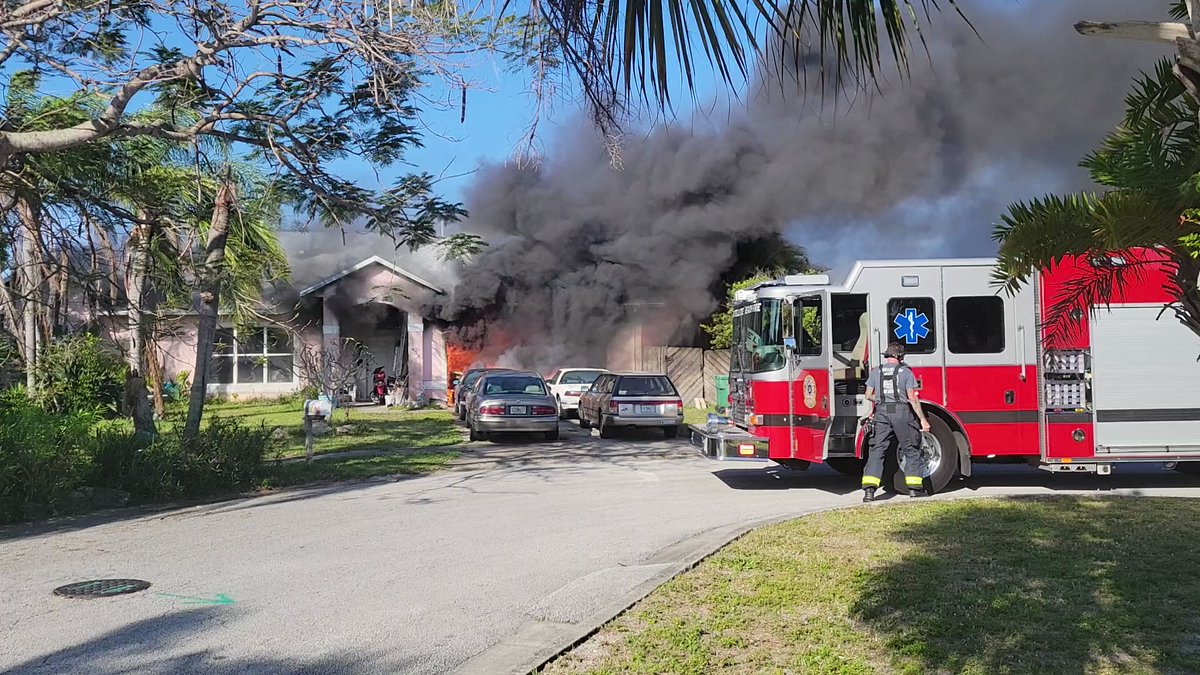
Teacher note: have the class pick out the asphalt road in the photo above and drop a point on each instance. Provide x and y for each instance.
(517, 545)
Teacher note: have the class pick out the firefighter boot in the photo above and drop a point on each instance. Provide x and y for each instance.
(868, 494)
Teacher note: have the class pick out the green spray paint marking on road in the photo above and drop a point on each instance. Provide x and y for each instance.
(221, 599)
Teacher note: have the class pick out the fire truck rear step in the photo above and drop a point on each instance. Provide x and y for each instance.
(728, 443)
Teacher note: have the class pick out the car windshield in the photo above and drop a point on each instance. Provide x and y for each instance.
(470, 378)
(513, 384)
(580, 376)
(645, 386)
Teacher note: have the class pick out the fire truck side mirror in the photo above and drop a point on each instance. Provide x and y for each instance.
(790, 343)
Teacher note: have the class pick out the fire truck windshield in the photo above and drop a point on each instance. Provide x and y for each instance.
(758, 335)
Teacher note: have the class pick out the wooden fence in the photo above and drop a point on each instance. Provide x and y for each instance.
(691, 369)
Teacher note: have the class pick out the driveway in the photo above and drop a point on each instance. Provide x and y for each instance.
(516, 546)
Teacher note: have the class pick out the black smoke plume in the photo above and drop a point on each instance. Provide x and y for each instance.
(921, 170)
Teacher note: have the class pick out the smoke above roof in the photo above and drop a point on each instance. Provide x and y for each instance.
(922, 169)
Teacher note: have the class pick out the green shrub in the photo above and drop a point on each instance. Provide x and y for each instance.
(46, 456)
(43, 455)
(79, 374)
(224, 456)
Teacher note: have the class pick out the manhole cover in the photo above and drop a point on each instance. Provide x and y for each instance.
(101, 588)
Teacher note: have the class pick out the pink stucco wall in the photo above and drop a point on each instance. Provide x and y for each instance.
(426, 345)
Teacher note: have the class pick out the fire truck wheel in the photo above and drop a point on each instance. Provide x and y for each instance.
(847, 466)
(941, 457)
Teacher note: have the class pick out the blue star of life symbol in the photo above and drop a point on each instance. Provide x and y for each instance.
(911, 326)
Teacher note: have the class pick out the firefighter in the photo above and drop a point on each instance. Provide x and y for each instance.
(895, 415)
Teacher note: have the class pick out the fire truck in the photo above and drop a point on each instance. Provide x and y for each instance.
(1097, 387)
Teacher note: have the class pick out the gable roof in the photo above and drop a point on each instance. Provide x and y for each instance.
(373, 260)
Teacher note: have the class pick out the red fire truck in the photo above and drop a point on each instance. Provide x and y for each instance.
(1099, 387)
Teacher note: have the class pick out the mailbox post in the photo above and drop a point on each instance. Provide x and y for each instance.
(314, 410)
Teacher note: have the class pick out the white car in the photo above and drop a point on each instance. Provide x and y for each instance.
(568, 384)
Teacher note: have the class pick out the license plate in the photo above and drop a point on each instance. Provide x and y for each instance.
(648, 409)
(518, 410)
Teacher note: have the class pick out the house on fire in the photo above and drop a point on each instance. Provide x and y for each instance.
(362, 289)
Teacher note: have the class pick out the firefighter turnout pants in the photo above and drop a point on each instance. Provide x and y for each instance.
(895, 422)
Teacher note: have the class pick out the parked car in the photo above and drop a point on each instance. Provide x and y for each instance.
(631, 400)
(462, 390)
(512, 400)
(568, 384)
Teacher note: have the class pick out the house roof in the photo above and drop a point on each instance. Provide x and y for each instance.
(362, 264)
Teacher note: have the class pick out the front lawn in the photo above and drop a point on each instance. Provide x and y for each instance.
(1049, 585)
(388, 430)
(283, 474)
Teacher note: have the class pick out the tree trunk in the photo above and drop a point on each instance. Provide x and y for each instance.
(154, 378)
(204, 303)
(137, 318)
(29, 266)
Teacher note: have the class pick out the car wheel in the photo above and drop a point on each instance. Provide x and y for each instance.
(552, 435)
(583, 423)
(562, 414)
(477, 435)
(606, 430)
(670, 432)
(462, 413)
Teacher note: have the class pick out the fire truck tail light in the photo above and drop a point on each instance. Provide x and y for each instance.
(756, 420)
(746, 449)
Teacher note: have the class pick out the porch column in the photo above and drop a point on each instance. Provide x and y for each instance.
(416, 355)
(331, 330)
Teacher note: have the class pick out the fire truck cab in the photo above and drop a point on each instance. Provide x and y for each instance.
(996, 384)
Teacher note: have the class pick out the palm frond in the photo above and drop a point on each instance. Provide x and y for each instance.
(639, 42)
(1100, 277)
(1041, 233)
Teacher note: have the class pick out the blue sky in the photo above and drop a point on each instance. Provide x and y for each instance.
(498, 114)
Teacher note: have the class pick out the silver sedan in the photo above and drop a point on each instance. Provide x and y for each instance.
(517, 401)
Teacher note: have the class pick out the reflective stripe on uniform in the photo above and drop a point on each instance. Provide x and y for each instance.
(870, 481)
(913, 481)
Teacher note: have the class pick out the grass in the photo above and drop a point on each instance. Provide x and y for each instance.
(295, 473)
(1050, 585)
(693, 415)
(372, 431)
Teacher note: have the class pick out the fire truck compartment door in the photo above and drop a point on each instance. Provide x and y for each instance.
(1145, 377)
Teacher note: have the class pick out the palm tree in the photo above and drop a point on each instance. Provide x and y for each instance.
(152, 199)
(1151, 201)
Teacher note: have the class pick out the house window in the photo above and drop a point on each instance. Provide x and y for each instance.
(255, 356)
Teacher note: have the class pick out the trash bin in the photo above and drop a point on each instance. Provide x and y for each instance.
(722, 382)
